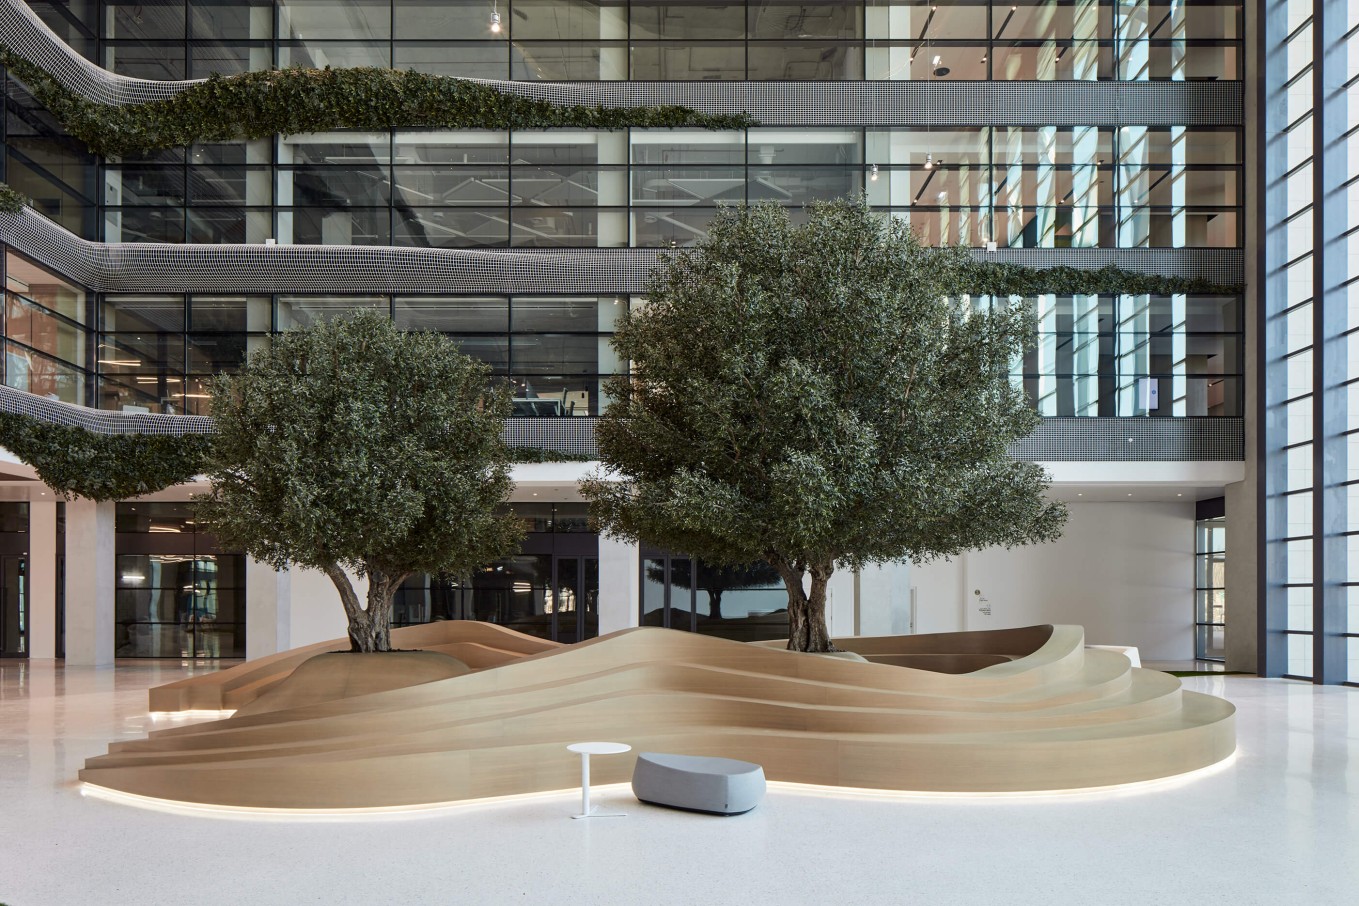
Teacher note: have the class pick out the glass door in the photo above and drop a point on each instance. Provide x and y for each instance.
(13, 606)
(667, 592)
(575, 598)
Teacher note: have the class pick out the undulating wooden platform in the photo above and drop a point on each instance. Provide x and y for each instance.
(478, 645)
(1049, 715)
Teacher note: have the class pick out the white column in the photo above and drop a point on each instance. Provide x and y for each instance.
(42, 578)
(885, 599)
(268, 609)
(840, 603)
(89, 583)
(619, 574)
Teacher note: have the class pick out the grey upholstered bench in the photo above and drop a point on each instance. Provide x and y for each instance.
(721, 786)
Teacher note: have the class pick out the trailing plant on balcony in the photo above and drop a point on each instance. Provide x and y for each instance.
(76, 462)
(11, 202)
(289, 101)
(991, 278)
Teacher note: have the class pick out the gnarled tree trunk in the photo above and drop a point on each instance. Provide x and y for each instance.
(370, 628)
(807, 630)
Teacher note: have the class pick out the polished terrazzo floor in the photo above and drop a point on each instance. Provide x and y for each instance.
(1279, 825)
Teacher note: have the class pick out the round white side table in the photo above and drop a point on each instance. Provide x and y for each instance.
(585, 750)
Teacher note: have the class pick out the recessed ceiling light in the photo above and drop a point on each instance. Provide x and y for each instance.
(1130, 494)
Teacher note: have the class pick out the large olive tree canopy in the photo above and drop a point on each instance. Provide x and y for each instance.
(355, 445)
(818, 396)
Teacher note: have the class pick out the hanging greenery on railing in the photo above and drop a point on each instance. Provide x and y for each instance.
(11, 202)
(991, 278)
(538, 454)
(290, 101)
(76, 462)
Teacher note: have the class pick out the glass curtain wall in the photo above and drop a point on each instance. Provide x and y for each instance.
(1107, 356)
(675, 40)
(743, 603)
(1309, 283)
(550, 589)
(157, 352)
(176, 594)
(1094, 355)
(45, 335)
(1210, 580)
(1016, 187)
(43, 163)
(14, 614)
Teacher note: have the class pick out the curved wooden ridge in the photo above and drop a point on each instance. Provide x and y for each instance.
(337, 675)
(1052, 715)
(478, 645)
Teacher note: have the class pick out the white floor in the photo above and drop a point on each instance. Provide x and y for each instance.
(1279, 825)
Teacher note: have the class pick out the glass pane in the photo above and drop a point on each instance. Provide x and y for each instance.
(53, 292)
(318, 19)
(681, 596)
(444, 19)
(237, 314)
(589, 608)
(653, 592)
(566, 600)
(1210, 642)
(556, 314)
(452, 314)
(742, 603)
(299, 311)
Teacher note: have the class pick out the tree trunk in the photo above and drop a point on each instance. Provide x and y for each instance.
(818, 634)
(370, 628)
(715, 603)
(806, 612)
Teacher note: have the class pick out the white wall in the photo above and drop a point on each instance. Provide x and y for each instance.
(317, 614)
(1124, 571)
(619, 597)
(939, 596)
(885, 599)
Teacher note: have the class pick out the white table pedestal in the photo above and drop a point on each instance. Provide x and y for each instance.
(585, 750)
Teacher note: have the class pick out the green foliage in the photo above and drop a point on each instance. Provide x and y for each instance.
(289, 101)
(815, 396)
(11, 202)
(77, 462)
(355, 443)
(538, 454)
(80, 463)
(990, 278)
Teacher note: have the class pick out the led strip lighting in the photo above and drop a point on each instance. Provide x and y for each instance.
(195, 809)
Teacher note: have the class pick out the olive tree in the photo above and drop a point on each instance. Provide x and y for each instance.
(355, 446)
(818, 396)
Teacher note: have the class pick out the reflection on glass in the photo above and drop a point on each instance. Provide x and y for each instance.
(518, 592)
(744, 603)
(173, 597)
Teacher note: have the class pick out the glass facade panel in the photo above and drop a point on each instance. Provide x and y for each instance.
(663, 39)
(1020, 187)
(1210, 584)
(45, 348)
(175, 594)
